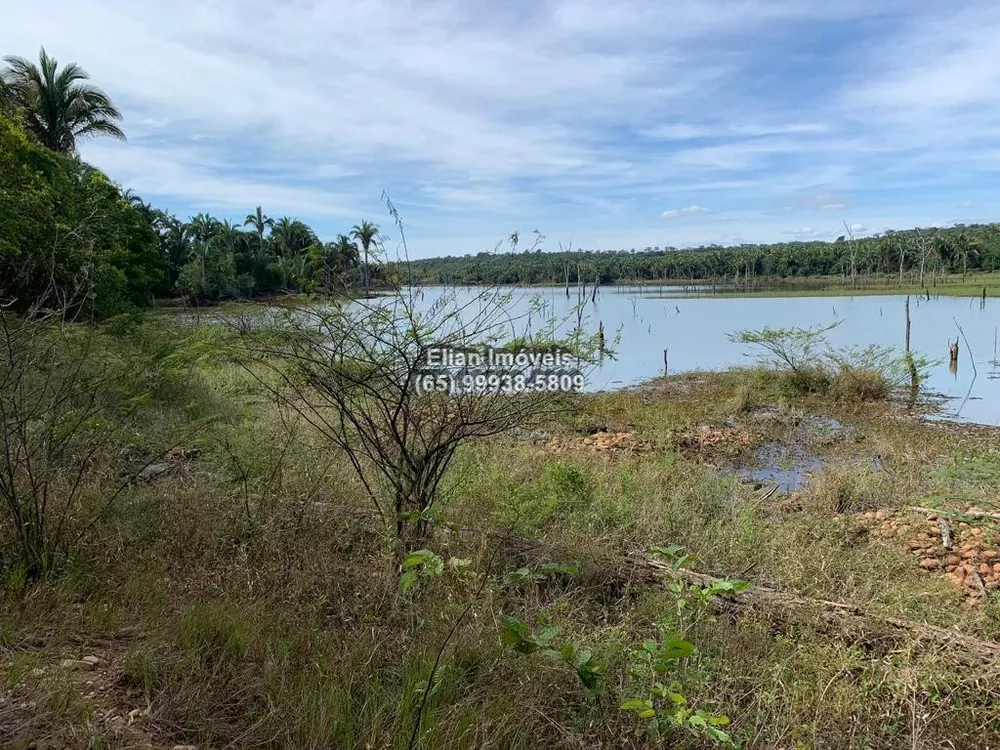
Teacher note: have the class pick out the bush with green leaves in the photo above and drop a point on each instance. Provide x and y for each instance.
(808, 363)
(68, 233)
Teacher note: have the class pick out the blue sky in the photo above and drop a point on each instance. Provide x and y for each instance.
(606, 124)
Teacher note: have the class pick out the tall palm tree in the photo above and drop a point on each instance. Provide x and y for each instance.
(59, 108)
(201, 251)
(259, 222)
(365, 233)
(203, 227)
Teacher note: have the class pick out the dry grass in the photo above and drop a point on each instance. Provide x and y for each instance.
(250, 600)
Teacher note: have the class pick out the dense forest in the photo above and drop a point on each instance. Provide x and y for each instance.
(68, 234)
(914, 256)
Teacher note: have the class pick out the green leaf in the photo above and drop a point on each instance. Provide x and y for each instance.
(718, 735)
(516, 576)
(407, 580)
(668, 553)
(636, 704)
(418, 558)
(434, 566)
(559, 568)
(514, 633)
(545, 635)
(675, 647)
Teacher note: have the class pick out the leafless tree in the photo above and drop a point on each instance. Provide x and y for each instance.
(394, 384)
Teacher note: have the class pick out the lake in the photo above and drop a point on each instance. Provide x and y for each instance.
(694, 333)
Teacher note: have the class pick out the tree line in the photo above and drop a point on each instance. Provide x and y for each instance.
(68, 234)
(912, 256)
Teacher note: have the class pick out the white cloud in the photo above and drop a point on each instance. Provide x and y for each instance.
(687, 132)
(576, 116)
(679, 213)
(807, 233)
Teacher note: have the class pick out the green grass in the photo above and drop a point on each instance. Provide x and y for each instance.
(250, 598)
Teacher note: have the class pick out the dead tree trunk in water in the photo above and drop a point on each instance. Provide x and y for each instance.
(914, 380)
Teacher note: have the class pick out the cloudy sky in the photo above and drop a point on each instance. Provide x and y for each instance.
(606, 124)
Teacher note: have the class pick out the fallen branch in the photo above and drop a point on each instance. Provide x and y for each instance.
(851, 622)
(848, 620)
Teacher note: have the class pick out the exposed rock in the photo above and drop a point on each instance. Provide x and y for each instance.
(154, 470)
(77, 664)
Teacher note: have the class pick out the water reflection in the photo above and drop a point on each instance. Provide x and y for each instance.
(656, 328)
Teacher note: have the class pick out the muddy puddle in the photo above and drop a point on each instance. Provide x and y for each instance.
(787, 466)
(791, 459)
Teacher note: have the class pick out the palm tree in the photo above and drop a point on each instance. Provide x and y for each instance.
(201, 251)
(58, 107)
(338, 257)
(365, 233)
(230, 236)
(345, 252)
(174, 240)
(202, 228)
(259, 222)
(292, 236)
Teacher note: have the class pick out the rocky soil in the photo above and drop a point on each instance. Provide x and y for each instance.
(970, 559)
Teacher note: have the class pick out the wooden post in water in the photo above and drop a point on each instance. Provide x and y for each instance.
(982, 304)
(600, 337)
(666, 366)
(914, 381)
(953, 356)
(907, 323)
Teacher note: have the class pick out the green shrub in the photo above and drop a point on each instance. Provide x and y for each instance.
(561, 488)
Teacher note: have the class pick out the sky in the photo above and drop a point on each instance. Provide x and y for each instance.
(602, 125)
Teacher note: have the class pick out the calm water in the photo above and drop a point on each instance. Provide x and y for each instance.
(694, 333)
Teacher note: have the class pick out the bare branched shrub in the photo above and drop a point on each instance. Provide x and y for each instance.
(370, 377)
(54, 391)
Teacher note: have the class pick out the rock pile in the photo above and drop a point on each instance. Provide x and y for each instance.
(971, 560)
(600, 442)
(705, 436)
